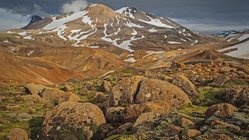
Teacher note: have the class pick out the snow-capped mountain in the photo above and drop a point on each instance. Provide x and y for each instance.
(127, 28)
(93, 42)
(234, 35)
(240, 44)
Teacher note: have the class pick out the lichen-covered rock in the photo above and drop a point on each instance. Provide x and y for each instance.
(17, 134)
(132, 112)
(237, 96)
(177, 66)
(34, 88)
(124, 91)
(137, 95)
(107, 86)
(187, 86)
(72, 120)
(185, 122)
(152, 90)
(145, 117)
(223, 110)
(191, 133)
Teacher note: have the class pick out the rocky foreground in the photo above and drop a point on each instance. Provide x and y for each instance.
(192, 101)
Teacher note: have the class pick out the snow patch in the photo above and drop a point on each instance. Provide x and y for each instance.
(60, 22)
(243, 37)
(241, 52)
(156, 22)
(152, 30)
(23, 33)
(28, 37)
(30, 53)
(174, 43)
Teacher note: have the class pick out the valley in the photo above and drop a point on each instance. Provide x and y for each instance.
(122, 75)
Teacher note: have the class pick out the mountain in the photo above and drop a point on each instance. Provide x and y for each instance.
(33, 20)
(127, 28)
(96, 41)
(239, 44)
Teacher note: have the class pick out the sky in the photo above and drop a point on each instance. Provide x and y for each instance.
(208, 16)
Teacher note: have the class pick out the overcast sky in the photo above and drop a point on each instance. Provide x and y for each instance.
(199, 15)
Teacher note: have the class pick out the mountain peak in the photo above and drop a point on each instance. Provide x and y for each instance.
(101, 9)
(33, 19)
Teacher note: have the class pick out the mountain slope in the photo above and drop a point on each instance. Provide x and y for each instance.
(93, 42)
(239, 46)
(127, 28)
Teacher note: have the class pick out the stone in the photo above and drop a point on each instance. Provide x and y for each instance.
(34, 88)
(145, 117)
(222, 110)
(68, 87)
(185, 122)
(69, 97)
(100, 97)
(153, 89)
(187, 86)
(17, 134)
(69, 117)
(220, 137)
(236, 96)
(172, 130)
(107, 86)
(220, 81)
(177, 66)
(124, 91)
(52, 94)
(191, 133)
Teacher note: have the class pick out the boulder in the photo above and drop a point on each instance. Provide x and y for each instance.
(34, 88)
(222, 110)
(185, 122)
(124, 91)
(67, 87)
(136, 95)
(100, 97)
(52, 94)
(145, 117)
(187, 86)
(172, 130)
(73, 121)
(107, 86)
(236, 96)
(69, 97)
(17, 134)
(219, 137)
(191, 133)
(153, 90)
(177, 66)
(220, 81)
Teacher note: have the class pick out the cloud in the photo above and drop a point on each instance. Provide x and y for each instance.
(37, 10)
(211, 27)
(12, 20)
(74, 6)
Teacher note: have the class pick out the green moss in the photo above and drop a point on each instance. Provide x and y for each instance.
(208, 95)
(232, 83)
(35, 126)
(121, 137)
(193, 109)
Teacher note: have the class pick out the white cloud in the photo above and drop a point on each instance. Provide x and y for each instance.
(10, 20)
(74, 6)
